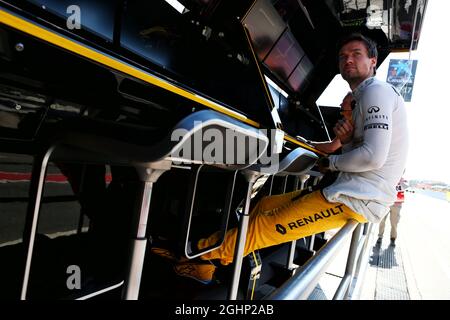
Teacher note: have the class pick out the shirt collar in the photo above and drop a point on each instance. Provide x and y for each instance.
(361, 87)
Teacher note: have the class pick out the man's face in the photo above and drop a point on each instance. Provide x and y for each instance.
(354, 63)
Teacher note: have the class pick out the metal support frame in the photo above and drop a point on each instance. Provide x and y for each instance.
(149, 176)
(291, 255)
(290, 265)
(81, 218)
(312, 238)
(149, 168)
(311, 242)
(356, 255)
(299, 185)
(186, 232)
(139, 244)
(350, 267)
(367, 228)
(40, 165)
(306, 278)
(241, 237)
(363, 257)
(272, 177)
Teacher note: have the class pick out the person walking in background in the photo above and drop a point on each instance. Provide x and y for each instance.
(394, 214)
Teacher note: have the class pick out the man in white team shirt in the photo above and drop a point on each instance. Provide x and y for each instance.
(374, 149)
(373, 159)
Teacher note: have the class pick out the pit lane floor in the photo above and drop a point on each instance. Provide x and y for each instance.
(418, 267)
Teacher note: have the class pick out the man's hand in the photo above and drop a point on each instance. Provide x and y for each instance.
(344, 131)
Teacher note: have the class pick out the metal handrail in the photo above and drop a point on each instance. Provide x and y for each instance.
(306, 278)
(356, 255)
(356, 246)
(364, 257)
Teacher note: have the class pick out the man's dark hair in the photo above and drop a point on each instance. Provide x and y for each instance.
(369, 43)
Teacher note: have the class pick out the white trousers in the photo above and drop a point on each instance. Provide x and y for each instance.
(394, 215)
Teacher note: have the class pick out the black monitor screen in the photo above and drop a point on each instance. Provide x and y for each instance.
(265, 26)
(300, 74)
(285, 56)
(276, 46)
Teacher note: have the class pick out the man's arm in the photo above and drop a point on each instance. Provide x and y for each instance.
(377, 106)
(344, 133)
(327, 147)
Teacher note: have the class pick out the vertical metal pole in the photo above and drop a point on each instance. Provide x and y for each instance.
(292, 246)
(363, 256)
(80, 223)
(311, 242)
(359, 252)
(80, 191)
(136, 264)
(36, 187)
(241, 239)
(350, 267)
(271, 184)
(366, 232)
(149, 175)
(297, 182)
(285, 184)
(316, 180)
(313, 237)
(299, 185)
(291, 255)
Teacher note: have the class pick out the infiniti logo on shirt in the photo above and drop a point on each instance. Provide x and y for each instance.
(374, 109)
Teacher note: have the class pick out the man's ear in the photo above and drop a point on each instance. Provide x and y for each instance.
(374, 61)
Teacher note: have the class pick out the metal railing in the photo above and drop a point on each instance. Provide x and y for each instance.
(361, 264)
(304, 281)
(357, 246)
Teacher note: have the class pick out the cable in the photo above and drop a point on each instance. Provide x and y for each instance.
(254, 279)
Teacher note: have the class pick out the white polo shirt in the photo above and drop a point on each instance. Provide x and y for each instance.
(373, 162)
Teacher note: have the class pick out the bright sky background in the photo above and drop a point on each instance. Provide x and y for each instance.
(429, 109)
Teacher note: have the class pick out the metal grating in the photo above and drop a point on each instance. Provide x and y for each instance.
(318, 294)
(390, 275)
